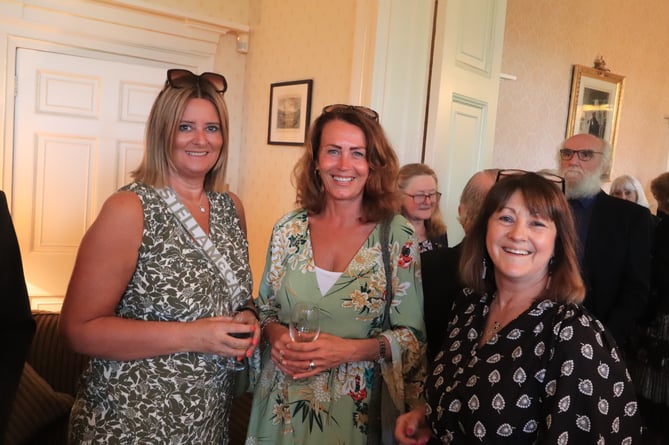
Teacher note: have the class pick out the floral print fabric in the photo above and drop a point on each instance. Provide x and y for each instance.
(176, 398)
(551, 376)
(331, 407)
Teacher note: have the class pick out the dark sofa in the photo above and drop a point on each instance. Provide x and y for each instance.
(48, 385)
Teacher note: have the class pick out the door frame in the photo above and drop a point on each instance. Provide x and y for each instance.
(112, 31)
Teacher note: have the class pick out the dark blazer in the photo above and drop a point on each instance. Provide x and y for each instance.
(660, 305)
(616, 264)
(16, 322)
(441, 286)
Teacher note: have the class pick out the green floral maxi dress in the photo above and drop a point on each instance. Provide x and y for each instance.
(180, 398)
(331, 407)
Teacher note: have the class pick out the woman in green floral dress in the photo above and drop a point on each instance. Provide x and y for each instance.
(329, 254)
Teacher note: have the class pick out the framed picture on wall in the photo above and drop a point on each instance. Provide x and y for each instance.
(289, 112)
(594, 106)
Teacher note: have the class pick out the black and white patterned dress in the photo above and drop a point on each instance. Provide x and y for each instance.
(178, 398)
(551, 376)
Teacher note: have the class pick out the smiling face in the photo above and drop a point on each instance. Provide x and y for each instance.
(419, 185)
(342, 161)
(198, 139)
(520, 244)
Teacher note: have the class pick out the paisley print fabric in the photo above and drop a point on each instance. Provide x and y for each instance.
(178, 398)
(551, 376)
(331, 407)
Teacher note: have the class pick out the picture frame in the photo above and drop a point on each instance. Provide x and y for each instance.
(289, 112)
(595, 102)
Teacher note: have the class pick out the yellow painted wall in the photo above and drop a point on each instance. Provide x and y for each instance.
(236, 11)
(289, 40)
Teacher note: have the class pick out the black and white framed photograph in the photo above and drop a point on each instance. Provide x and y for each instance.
(289, 112)
(595, 103)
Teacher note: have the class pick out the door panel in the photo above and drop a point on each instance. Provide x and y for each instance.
(79, 131)
(463, 100)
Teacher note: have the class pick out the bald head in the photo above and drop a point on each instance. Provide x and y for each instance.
(583, 159)
(473, 196)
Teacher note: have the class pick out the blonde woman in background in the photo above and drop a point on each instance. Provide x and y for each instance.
(629, 188)
(420, 205)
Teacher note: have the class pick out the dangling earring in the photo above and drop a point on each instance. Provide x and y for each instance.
(485, 269)
(550, 272)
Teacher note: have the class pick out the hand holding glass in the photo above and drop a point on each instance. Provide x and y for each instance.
(232, 363)
(304, 323)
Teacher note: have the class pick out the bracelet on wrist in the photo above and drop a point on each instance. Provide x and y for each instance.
(382, 348)
(268, 320)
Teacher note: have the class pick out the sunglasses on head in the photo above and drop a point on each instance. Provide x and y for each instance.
(339, 108)
(548, 176)
(180, 78)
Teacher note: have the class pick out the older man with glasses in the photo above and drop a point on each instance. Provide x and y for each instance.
(615, 237)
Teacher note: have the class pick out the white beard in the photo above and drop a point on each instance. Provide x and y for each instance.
(580, 185)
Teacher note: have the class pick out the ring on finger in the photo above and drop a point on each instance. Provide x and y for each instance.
(312, 365)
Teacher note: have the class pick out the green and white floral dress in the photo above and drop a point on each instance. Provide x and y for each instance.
(332, 407)
(178, 398)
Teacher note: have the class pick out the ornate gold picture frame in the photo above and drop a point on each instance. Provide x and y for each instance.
(594, 106)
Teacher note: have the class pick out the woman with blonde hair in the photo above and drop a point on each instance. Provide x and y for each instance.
(158, 292)
(628, 188)
(419, 188)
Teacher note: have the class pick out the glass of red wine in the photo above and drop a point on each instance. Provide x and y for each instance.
(232, 363)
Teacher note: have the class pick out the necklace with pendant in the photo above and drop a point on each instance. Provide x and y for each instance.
(492, 331)
(202, 208)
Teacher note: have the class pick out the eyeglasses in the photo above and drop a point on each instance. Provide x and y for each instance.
(420, 198)
(179, 78)
(548, 176)
(338, 108)
(584, 155)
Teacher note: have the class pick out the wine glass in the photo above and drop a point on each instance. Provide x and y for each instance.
(232, 363)
(304, 323)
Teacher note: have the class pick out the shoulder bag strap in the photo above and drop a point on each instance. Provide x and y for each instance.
(385, 251)
(374, 423)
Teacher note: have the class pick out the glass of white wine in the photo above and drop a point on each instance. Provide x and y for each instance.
(304, 323)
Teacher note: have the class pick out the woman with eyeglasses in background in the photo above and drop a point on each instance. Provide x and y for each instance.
(154, 311)
(329, 254)
(522, 361)
(418, 186)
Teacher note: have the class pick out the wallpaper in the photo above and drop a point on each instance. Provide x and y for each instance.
(320, 48)
(543, 40)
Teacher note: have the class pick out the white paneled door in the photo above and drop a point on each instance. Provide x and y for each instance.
(79, 131)
(463, 98)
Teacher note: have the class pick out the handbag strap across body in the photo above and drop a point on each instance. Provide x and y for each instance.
(204, 242)
(385, 252)
(374, 426)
